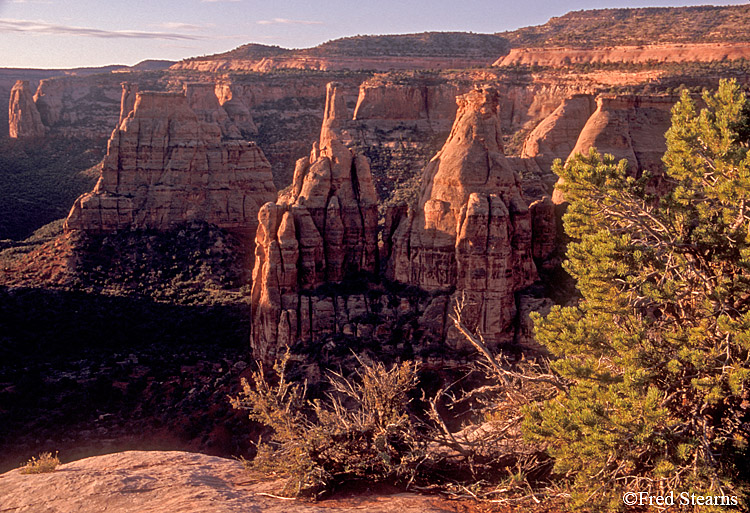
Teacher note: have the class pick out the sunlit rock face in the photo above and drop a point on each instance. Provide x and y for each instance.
(471, 231)
(167, 165)
(23, 117)
(323, 229)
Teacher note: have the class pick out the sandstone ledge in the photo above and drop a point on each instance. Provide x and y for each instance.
(176, 482)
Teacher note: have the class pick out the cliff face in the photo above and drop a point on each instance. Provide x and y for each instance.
(555, 137)
(628, 127)
(23, 116)
(80, 106)
(471, 230)
(406, 102)
(331, 63)
(682, 52)
(165, 166)
(323, 230)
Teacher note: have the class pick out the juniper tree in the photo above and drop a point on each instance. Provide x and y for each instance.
(657, 346)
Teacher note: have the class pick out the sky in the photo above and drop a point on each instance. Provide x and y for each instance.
(77, 33)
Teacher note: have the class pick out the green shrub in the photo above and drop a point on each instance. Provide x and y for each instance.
(658, 345)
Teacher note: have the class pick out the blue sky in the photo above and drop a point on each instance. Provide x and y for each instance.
(70, 33)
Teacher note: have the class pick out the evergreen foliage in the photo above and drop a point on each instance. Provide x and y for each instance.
(658, 345)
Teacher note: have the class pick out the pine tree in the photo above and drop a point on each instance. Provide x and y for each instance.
(658, 344)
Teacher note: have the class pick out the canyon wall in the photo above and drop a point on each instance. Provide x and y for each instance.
(331, 63)
(165, 166)
(674, 52)
(631, 127)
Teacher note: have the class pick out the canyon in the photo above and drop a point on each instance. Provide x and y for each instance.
(339, 201)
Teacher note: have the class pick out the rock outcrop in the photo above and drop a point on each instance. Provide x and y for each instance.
(165, 166)
(555, 137)
(81, 106)
(628, 127)
(23, 117)
(471, 232)
(321, 231)
(171, 481)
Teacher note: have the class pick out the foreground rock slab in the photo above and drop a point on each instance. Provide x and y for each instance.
(176, 482)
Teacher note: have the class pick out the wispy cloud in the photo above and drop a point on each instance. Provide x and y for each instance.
(284, 21)
(176, 25)
(217, 1)
(43, 27)
(31, 1)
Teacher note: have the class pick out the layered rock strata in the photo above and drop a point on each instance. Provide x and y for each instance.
(471, 231)
(23, 117)
(668, 52)
(321, 231)
(166, 166)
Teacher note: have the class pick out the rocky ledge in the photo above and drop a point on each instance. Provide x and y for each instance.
(177, 482)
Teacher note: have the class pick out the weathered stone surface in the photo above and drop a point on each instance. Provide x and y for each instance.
(555, 137)
(543, 229)
(628, 127)
(667, 52)
(177, 482)
(471, 230)
(127, 102)
(80, 106)
(23, 116)
(164, 167)
(321, 231)
(201, 97)
(236, 107)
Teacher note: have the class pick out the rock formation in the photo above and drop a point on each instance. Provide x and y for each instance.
(471, 230)
(23, 116)
(555, 137)
(81, 106)
(236, 107)
(202, 100)
(165, 166)
(628, 127)
(127, 102)
(321, 231)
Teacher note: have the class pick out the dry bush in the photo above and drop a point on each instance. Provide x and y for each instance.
(361, 429)
(46, 462)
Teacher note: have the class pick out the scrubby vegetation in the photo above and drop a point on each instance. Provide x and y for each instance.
(641, 26)
(46, 462)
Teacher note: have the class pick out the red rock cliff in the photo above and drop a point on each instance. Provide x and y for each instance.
(471, 230)
(165, 166)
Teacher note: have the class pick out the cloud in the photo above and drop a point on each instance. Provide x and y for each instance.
(217, 1)
(31, 1)
(176, 25)
(43, 27)
(284, 21)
